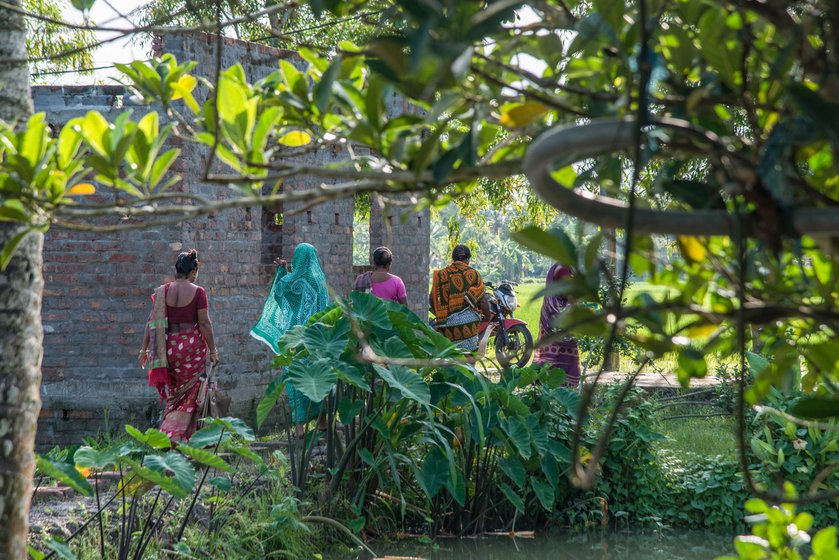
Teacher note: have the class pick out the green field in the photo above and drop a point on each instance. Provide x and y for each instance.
(531, 307)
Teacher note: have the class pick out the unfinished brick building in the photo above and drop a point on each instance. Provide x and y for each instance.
(97, 287)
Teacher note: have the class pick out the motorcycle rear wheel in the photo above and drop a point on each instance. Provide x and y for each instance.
(516, 348)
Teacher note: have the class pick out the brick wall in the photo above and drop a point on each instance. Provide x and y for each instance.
(97, 286)
(407, 234)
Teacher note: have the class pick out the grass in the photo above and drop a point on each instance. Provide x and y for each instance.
(531, 305)
(531, 308)
(703, 436)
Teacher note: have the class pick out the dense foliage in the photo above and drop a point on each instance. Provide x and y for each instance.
(733, 121)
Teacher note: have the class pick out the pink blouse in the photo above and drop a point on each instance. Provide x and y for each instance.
(393, 289)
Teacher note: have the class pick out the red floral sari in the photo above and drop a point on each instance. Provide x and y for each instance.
(187, 355)
(178, 360)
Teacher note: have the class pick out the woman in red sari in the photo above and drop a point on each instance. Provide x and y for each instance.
(178, 337)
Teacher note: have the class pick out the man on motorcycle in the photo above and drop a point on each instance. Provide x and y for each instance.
(458, 300)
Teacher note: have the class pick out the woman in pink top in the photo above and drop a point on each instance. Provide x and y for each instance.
(380, 282)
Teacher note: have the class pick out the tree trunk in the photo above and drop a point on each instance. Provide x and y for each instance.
(21, 336)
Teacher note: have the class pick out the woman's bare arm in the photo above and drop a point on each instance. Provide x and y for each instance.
(206, 328)
(144, 352)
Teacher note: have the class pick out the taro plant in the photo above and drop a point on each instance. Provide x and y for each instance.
(413, 427)
(159, 486)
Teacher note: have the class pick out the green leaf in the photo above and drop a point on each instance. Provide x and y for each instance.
(266, 404)
(720, 47)
(11, 246)
(327, 342)
(322, 91)
(369, 309)
(348, 409)
(410, 384)
(550, 467)
(154, 438)
(211, 435)
(313, 379)
(824, 114)
(250, 455)
(435, 473)
(816, 406)
(593, 252)
(65, 473)
(34, 139)
(236, 426)
(86, 456)
(518, 433)
(205, 457)
(824, 544)
(691, 365)
(514, 469)
(174, 466)
(94, 129)
(757, 363)
(511, 495)
(83, 5)
(545, 492)
(220, 482)
(34, 553)
(161, 166)
(555, 244)
(57, 544)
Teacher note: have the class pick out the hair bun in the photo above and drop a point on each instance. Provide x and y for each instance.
(192, 254)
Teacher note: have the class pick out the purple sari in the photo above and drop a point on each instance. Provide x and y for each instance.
(563, 352)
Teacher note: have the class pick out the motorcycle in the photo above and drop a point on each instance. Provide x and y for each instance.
(513, 341)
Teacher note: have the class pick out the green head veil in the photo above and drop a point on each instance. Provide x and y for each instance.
(295, 296)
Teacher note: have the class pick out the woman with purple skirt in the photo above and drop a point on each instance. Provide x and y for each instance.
(560, 352)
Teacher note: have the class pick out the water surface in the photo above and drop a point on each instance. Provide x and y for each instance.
(615, 545)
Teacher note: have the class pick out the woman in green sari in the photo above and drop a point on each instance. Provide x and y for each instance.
(298, 292)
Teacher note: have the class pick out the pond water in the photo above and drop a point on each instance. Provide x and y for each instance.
(669, 545)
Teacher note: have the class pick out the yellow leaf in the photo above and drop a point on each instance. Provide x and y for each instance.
(701, 331)
(692, 248)
(295, 139)
(82, 189)
(183, 86)
(522, 114)
(182, 89)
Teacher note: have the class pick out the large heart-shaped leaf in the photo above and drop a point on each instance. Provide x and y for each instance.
(369, 309)
(353, 375)
(393, 347)
(514, 469)
(211, 435)
(518, 433)
(237, 426)
(544, 491)
(86, 456)
(65, 473)
(325, 341)
(313, 379)
(409, 383)
(152, 437)
(435, 473)
(175, 467)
